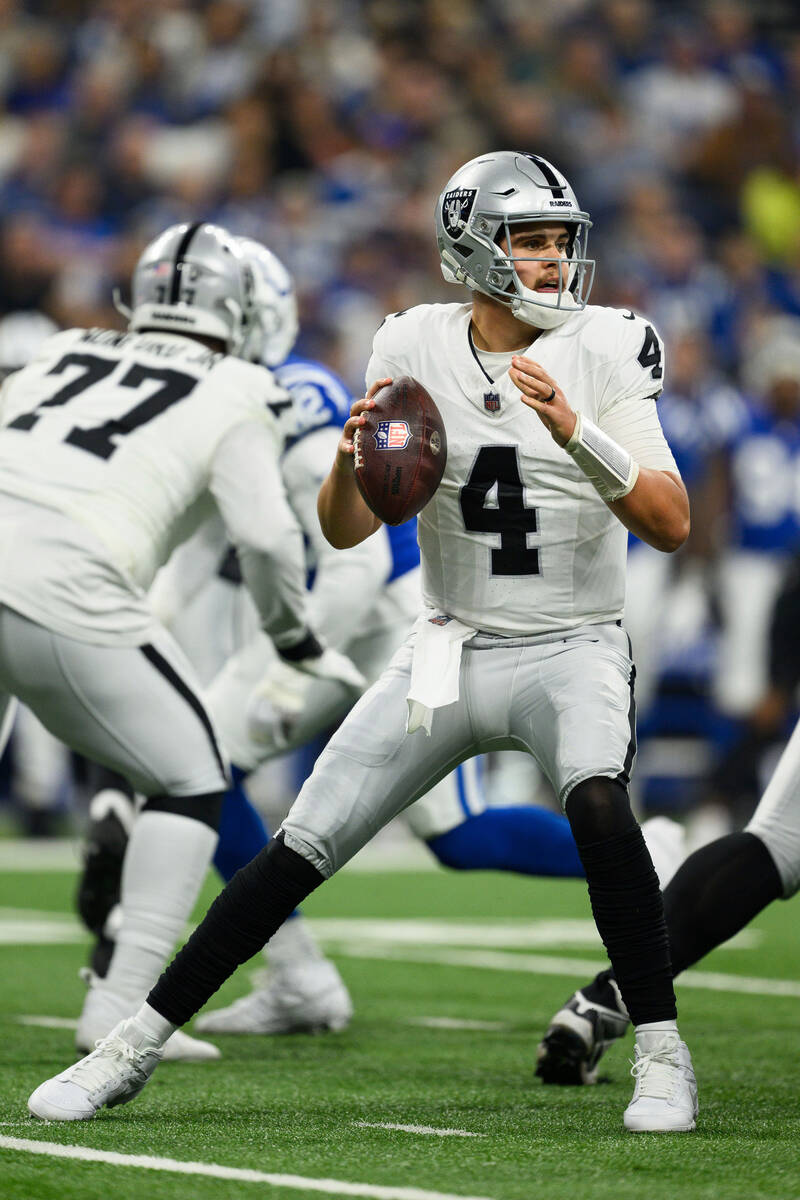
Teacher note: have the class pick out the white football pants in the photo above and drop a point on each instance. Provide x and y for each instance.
(135, 709)
(565, 699)
(776, 820)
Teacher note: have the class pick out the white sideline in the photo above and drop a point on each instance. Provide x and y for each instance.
(332, 1187)
(428, 1129)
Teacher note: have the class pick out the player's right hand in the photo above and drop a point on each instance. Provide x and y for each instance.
(346, 448)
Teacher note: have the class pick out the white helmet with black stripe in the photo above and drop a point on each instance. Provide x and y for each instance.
(474, 218)
(194, 279)
(275, 324)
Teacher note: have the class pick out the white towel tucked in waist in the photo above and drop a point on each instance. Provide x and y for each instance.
(435, 666)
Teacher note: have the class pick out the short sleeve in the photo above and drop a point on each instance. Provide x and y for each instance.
(637, 367)
(387, 351)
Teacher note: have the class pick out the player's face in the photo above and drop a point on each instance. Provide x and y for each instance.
(550, 242)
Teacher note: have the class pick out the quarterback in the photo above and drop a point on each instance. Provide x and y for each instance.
(555, 449)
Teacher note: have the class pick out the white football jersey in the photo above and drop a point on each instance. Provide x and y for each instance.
(516, 540)
(135, 437)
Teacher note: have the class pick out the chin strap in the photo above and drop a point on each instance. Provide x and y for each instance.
(603, 461)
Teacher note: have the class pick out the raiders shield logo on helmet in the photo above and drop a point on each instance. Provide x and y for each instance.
(456, 207)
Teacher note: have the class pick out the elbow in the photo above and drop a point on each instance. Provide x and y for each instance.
(334, 538)
(674, 534)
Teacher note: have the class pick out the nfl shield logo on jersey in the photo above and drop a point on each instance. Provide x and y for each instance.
(456, 207)
(491, 401)
(392, 435)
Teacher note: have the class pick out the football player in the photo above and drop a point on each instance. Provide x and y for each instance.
(554, 449)
(216, 623)
(113, 447)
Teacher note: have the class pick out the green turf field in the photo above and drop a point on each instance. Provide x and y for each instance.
(499, 951)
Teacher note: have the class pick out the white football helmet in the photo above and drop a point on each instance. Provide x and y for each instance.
(475, 213)
(275, 322)
(194, 279)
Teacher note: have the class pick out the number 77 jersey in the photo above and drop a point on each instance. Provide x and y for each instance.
(516, 540)
(119, 431)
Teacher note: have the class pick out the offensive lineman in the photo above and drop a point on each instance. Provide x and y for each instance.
(520, 644)
(113, 447)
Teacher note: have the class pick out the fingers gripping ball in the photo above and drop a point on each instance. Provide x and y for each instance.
(401, 451)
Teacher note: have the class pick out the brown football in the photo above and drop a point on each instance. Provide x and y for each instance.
(400, 453)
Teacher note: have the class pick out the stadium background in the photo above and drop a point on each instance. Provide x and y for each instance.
(326, 129)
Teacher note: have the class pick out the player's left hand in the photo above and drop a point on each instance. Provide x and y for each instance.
(541, 393)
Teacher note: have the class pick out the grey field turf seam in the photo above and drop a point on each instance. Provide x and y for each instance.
(331, 1187)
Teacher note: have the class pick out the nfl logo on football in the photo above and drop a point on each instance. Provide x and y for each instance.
(392, 435)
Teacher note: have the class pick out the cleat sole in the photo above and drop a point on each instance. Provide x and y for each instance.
(561, 1059)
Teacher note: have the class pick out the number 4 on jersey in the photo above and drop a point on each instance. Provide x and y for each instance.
(650, 353)
(499, 465)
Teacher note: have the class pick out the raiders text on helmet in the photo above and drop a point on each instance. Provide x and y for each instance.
(194, 279)
(474, 218)
(275, 324)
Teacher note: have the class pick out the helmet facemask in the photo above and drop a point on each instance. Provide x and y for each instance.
(546, 310)
(274, 326)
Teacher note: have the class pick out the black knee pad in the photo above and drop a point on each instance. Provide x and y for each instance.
(206, 808)
(599, 808)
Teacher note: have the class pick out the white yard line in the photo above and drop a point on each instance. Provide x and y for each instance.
(33, 927)
(426, 1129)
(48, 1022)
(394, 852)
(551, 964)
(331, 1187)
(490, 934)
(40, 854)
(459, 1023)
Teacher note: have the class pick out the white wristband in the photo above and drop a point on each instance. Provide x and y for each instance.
(603, 461)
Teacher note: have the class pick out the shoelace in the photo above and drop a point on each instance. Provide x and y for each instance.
(94, 1070)
(655, 1073)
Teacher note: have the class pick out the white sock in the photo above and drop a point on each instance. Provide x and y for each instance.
(154, 1025)
(293, 943)
(652, 1032)
(165, 865)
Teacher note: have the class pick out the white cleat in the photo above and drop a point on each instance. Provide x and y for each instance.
(665, 1095)
(303, 998)
(103, 1009)
(112, 1074)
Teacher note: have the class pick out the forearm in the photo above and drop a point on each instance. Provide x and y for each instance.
(656, 509)
(343, 515)
(276, 583)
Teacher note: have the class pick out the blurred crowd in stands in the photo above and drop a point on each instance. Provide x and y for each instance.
(326, 128)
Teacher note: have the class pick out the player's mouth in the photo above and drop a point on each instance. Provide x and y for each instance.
(548, 287)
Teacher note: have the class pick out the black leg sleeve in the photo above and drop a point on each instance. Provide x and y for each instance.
(625, 896)
(241, 920)
(715, 893)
